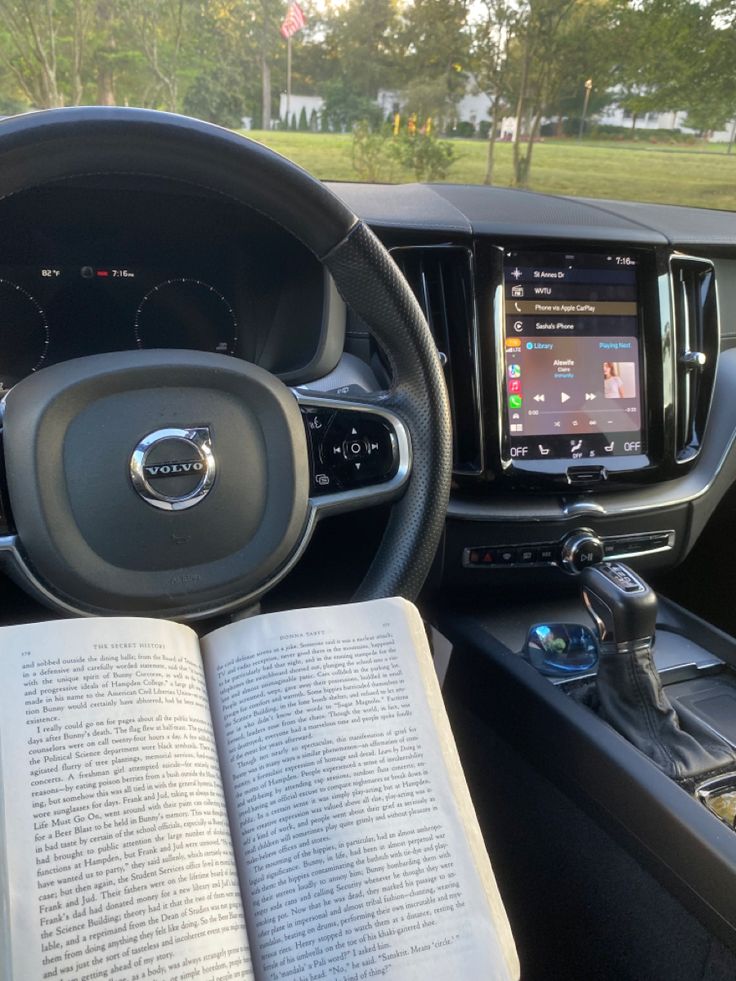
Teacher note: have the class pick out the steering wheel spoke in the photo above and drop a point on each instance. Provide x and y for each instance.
(360, 451)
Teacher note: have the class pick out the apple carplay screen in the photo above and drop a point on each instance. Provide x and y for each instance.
(572, 387)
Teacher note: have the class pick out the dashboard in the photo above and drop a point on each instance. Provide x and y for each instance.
(93, 267)
(589, 355)
(589, 347)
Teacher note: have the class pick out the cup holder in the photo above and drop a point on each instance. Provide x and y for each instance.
(719, 796)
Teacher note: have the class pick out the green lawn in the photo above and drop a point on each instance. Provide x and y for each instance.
(676, 174)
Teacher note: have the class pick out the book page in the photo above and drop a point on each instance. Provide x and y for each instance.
(359, 852)
(117, 852)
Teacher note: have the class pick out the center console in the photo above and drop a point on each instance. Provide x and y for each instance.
(597, 367)
(679, 824)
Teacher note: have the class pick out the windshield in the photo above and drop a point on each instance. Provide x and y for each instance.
(595, 98)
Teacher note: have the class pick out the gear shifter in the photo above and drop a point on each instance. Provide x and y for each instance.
(624, 609)
(622, 605)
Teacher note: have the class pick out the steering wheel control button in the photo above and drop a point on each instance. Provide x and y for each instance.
(350, 449)
(174, 469)
(581, 549)
(318, 422)
(355, 447)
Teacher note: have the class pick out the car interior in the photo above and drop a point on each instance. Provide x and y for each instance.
(517, 410)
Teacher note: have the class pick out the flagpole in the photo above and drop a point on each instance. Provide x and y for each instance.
(288, 82)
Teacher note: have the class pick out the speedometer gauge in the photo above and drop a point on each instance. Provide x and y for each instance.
(24, 333)
(186, 313)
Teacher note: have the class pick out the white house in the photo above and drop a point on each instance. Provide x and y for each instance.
(309, 103)
(615, 115)
(475, 107)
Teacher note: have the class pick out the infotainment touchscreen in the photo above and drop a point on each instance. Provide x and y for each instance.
(573, 372)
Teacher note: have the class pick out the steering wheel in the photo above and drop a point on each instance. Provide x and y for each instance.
(183, 484)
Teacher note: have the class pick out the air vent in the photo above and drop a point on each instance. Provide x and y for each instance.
(441, 277)
(696, 350)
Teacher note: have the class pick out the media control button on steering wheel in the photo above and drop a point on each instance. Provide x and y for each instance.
(357, 452)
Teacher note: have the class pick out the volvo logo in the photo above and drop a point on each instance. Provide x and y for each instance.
(174, 469)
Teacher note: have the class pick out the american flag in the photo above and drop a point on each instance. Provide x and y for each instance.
(294, 21)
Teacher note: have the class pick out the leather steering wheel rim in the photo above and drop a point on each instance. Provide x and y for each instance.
(56, 145)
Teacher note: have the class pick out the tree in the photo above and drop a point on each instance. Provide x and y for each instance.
(268, 15)
(30, 48)
(710, 95)
(105, 52)
(236, 61)
(359, 54)
(428, 97)
(493, 33)
(537, 55)
(216, 94)
(556, 46)
(161, 29)
(659, 44)
(344, 107)
(435, 42)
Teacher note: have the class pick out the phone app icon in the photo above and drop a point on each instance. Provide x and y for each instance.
(514, 371)
(515, 386)
(515, 401)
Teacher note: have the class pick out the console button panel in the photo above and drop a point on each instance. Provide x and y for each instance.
(550, 554)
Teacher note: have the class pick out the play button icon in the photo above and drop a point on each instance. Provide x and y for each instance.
(564, 397)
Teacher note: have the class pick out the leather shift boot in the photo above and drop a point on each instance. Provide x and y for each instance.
(633, 702)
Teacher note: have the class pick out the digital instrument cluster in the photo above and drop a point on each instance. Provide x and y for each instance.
(572, 367)
(50, 313)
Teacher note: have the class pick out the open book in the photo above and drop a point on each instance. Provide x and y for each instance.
(282, 799)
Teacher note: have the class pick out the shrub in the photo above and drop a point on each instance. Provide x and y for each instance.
(371, 154)
(427, 157)
(378, 155)
(464, 130)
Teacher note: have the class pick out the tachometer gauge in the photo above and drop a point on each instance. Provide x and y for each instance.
(24, 334)
(186, 313)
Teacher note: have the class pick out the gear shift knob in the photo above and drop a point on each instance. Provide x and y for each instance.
(623, 606)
